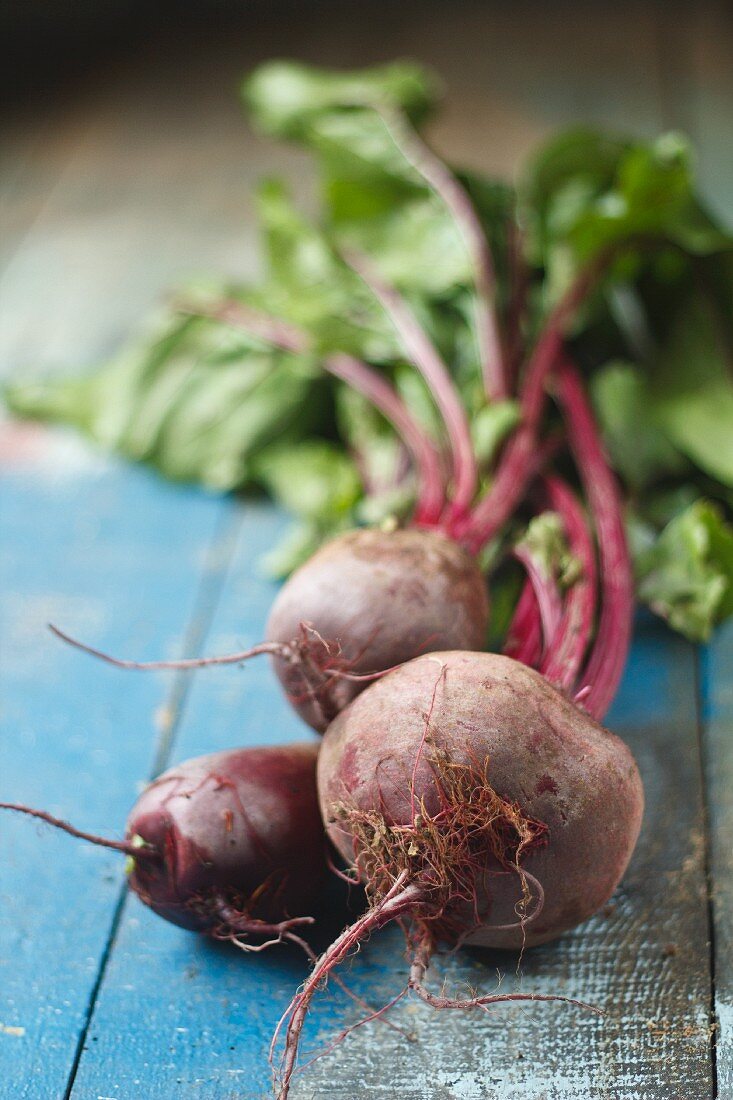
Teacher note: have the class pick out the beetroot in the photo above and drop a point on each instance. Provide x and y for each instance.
(230, 844)
(476, 804)
(564, 792)
(397, 594)
(238, 839)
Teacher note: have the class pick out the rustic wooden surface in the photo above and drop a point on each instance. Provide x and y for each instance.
(137, 174)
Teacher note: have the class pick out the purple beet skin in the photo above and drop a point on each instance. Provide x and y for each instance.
(374, 599)
(236, 837)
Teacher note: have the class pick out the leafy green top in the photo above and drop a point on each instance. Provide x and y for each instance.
(654, 331)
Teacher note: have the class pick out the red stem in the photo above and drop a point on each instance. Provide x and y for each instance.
(564, 654)
(422, 352)
(439, 177)
(524, 637)
(547, 594)
(601, 676)
(519, 278)
(362, 378)
(518, 465)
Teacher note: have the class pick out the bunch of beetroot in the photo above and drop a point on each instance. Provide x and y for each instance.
(473, 795)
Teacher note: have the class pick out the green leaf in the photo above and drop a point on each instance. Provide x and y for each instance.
(197, 400)
(545, 542)
(693, 390)
(638, 447)
(311, 286)
(562, 178)
(417, 247)
(313, 480)
(490, 426)
(319, 485)
(686, 576)
(285, 98)
(375, 198)
(295, 547)
(506, 586)
(586, 192)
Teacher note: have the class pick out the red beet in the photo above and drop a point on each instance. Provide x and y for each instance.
(237, 830)
(376, 599)
(229, 844)
(477, 804)
(565, 792)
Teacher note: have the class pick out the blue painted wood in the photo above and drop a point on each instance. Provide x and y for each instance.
(208, 1011)
(717, 684)
(118, 557)
(177, 1016)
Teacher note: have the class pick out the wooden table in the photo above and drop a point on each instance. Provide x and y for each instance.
(136, 174)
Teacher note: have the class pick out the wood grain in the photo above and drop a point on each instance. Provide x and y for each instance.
(717, 719)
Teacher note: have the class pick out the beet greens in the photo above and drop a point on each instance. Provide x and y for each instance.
(603, 244)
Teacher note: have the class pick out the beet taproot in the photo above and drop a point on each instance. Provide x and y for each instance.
(497, 730)
(230, 844)
(375, 599)
(477, 805)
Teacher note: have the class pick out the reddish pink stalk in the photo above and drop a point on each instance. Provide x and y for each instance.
(564, 655)
(547, 594)
(442, 181)
(519, 279)
(517, 465)
(399, 901)
(422, 352)
(524, 637)
(601, 676)
(362, 378)
(372, 386)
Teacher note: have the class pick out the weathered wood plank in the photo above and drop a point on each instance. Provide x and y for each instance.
(706, 43)
(717, 716)
(208, 1012)
(116, 555)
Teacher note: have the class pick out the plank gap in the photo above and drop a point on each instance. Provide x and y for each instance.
(104, 958)
(215, 570)
(704, 764)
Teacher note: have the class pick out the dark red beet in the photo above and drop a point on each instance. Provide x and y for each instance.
(573, 786)
(374, 600)
(229, 844)
(238, 829)
(477, 805)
